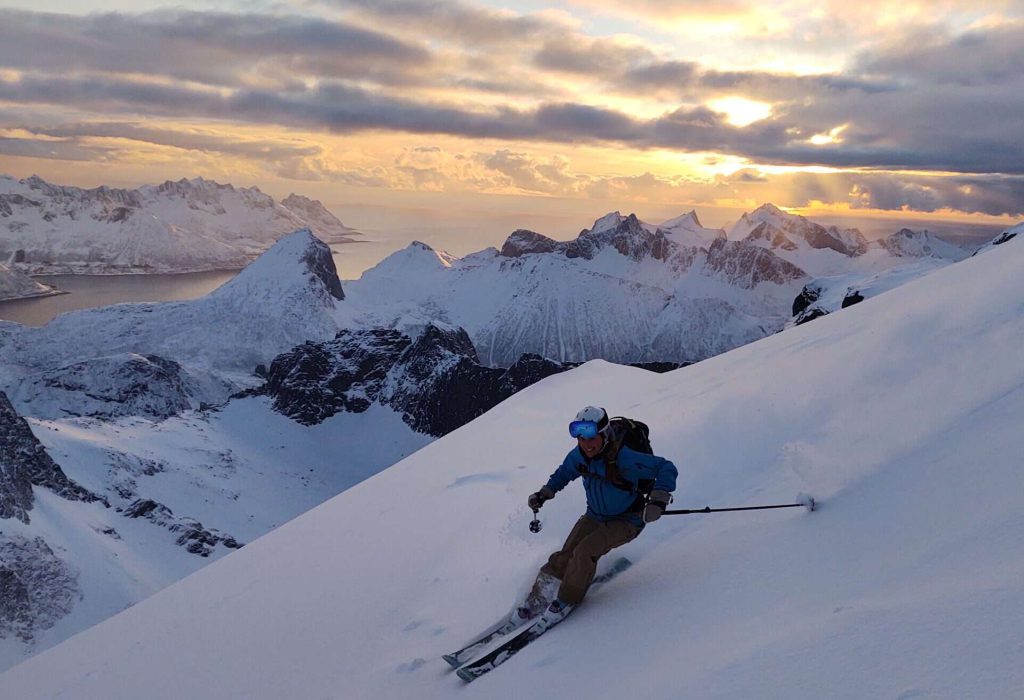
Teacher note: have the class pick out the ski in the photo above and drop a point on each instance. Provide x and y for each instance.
(504, 652)
(513, 623)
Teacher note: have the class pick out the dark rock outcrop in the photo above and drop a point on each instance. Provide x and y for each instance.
(521, 242)
(1004, 237)
(194, 537)
(810, 315)
(321, 263)
(436, 382)
(807, 296)
(628, 237)
(24, 463)
(36, 588)
(314, 381)
(852, 297)
(746, 265)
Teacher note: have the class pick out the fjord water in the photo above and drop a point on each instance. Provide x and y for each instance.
(88, 291)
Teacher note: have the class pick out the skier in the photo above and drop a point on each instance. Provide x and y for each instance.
(616, 509)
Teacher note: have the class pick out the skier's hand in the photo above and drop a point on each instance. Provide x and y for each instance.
(656, 505)
(536, 500)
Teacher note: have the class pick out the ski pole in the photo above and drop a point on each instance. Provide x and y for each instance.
(535, 524)
(807, 503)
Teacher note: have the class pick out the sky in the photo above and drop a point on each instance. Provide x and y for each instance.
(553, 113)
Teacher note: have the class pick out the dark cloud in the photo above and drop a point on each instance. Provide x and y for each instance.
(586, 56)
(676, 75)
(50, 150)
(456, 21)
(209, 47)
(260, 149)
(993, 195)
(571, 122)
(993, 56)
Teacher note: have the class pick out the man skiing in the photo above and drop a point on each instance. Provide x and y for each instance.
(616, 509)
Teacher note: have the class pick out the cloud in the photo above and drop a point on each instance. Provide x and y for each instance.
(586, 56)
(457, 21)
(50, 150)
(256, 148)
(947, 102)
(530, 174)
(209, 47)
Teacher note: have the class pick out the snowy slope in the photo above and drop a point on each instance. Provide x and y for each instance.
(182, 492)
(901, 415)
(180, 226)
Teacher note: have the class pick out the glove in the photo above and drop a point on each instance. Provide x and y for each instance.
(536, 500)
(656, 505)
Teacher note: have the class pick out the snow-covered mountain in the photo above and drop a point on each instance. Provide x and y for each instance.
(285, 297)
(181, 226)
(901, 415)
(15, 285)
(623, 290)
(629, 291)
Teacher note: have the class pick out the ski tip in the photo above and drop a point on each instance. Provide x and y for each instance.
(452, 660)
(807, 501)
(465, 675)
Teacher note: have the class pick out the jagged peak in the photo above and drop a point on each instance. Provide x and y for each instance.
(414, 254)
(687, 220)
(609, 220)
(289, 263)
(769, 208)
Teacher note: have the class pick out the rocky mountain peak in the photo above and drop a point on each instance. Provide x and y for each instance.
(609, 220)
(523, 242)
(689, 220)
(296, 266)
(787, 231)
(919, 244)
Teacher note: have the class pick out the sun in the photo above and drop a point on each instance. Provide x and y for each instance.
(739, 111)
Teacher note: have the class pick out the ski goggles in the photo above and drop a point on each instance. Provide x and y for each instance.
(583, 429)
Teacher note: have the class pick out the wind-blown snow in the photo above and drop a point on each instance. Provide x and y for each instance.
(901, 415)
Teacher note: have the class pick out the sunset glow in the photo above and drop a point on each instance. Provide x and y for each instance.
(879, 108)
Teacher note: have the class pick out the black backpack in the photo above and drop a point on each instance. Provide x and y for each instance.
(626, 432)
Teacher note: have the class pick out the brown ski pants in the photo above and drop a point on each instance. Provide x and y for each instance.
(576, 562)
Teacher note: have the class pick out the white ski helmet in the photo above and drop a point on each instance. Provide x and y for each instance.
(595, 415)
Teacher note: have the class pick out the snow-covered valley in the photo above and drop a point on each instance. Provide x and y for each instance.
(900, 415)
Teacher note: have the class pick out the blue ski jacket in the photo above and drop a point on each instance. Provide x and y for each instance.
(608, 502)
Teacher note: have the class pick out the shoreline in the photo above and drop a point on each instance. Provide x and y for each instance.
(42, 295)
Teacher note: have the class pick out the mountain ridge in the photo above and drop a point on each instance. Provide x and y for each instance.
(176, 226)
